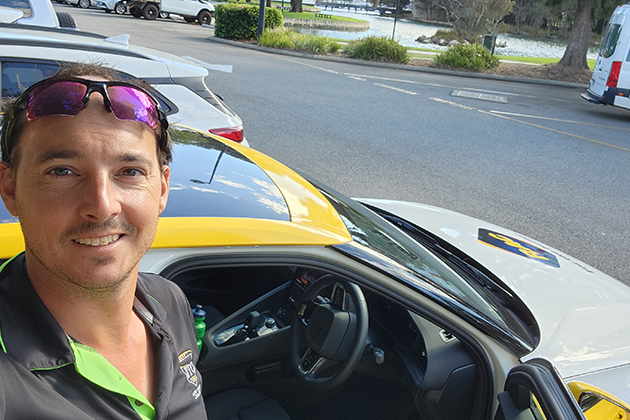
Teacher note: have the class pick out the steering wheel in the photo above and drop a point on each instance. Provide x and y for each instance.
(334, 331)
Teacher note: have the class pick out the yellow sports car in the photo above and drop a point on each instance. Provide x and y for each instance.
(323, 307)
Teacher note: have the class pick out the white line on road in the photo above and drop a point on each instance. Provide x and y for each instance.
(559, 120)
(408, 92)
(506, 117)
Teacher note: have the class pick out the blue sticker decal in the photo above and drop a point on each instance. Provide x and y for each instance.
(518, 247)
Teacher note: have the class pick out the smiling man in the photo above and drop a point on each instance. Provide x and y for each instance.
(82, 333)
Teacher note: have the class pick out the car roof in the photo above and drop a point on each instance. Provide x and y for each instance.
(36, 42)
(224, 194)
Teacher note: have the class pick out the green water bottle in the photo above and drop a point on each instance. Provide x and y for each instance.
(200, 326)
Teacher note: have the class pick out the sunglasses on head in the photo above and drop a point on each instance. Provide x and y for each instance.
(69, 95)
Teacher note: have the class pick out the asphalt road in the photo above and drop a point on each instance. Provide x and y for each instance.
(537, 159)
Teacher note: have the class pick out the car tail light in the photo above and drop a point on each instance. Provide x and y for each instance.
(613, 77)
(230, 133)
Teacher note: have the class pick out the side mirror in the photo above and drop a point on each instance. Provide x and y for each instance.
(597, 404)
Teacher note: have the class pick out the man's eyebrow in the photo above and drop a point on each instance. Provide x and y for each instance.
(57, 154)
(133, 158)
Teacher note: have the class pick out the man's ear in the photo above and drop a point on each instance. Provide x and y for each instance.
(7, 188)
(166, 176)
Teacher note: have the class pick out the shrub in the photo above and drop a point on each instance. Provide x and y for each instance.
(375, 48)
(288, 40)
(240, 21)
(470, 57)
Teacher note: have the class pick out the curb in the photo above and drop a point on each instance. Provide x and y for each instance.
(400, 66)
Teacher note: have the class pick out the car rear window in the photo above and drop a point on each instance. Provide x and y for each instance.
(22, 5)
(210, 179)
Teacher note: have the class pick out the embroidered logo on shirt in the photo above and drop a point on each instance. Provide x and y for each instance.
(188, 368)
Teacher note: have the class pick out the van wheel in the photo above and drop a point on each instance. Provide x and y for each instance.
(66, 20)
(120, 8)
(189, 19)
(135, 11)
(204, 18)
(150, 12)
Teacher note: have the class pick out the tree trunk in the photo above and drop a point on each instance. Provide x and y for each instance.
(577, 47)
(296, 6)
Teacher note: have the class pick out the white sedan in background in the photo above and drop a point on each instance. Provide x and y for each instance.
(29, 54)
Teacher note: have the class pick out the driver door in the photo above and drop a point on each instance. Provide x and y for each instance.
(535, 391)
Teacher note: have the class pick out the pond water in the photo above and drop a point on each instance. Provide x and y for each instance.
(407, 31)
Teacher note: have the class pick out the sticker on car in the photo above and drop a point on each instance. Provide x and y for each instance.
(517, 246)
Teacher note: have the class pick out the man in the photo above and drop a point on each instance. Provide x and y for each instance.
(83, 335)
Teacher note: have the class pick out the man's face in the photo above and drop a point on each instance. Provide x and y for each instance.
(88, 191)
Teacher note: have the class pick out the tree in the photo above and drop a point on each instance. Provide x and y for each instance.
(296, 6)
(577, 46)
(474, 17)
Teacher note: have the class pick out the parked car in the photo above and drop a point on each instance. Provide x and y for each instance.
(118, 6)
(35, 12)
(610, 84)
(84, 4)
(28, 54)
(377, 309)
(201, 11)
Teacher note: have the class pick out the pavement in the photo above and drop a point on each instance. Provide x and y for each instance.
(397, 66)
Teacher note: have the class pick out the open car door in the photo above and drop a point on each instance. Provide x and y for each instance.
(535, 391)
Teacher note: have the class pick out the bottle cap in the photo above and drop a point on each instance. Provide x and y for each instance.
(198, 312)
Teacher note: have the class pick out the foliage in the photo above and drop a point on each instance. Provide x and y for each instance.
(470, 57)
(238, 21)
(375, 48)
(449, 35)
(471, 18)
(288, 40)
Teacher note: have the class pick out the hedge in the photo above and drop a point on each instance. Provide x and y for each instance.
(240, 21)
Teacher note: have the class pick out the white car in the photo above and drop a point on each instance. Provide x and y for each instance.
(28, 54)
(84, 4)
(34, 12)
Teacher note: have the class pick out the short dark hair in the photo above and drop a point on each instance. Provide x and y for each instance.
(9, 138)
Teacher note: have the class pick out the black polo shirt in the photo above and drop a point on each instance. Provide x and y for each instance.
(45, 374)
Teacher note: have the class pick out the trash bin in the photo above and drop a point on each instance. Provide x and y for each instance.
(488, 42)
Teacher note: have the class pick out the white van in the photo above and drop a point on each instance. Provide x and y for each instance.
(610, 84)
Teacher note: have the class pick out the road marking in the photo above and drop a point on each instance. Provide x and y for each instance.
(358, 78)
(444, 101)
(559, 120)
(408, 92)
(388, 79)
(306, 65)
(480, 96)
(555, 131)
(501, 115)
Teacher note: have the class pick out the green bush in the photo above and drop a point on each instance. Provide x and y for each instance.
(288, 40)
(376, 48)
(240, 21)
(470, 57)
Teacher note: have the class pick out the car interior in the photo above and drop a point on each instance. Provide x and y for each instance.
(321, 346)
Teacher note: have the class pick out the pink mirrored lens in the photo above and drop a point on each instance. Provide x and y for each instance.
(133, 104)
(55, 98)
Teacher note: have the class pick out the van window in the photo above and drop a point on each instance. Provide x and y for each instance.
(609, 43)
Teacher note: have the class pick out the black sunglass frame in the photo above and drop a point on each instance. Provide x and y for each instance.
(92, 86)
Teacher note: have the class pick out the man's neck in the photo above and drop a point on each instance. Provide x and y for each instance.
(104, 320)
